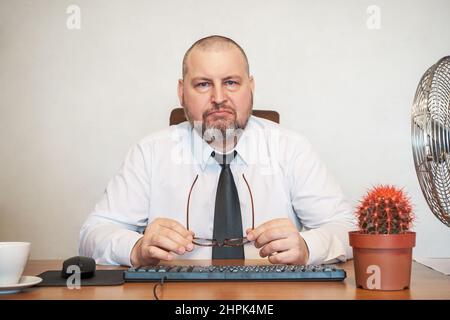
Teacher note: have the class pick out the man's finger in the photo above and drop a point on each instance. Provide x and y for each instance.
(272, 235)
(165, 243)
(255, 233)
(284, 257)
(154, 252)
(275, 246)
(176, 226)
(175, 236)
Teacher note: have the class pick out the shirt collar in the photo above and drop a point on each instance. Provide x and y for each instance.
(202, 150)
(246, 141)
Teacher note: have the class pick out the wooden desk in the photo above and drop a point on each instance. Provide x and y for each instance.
(426, 284)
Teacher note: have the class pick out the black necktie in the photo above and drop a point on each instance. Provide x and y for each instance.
(227, 212)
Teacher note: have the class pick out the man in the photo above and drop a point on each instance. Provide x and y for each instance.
(185, 191)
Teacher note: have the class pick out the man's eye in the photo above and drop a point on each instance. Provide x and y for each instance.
(202, 85)
(230, 83)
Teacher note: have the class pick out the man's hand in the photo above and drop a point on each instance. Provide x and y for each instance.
(162, 239)
(280, 241)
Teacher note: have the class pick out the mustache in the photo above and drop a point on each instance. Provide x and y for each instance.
(218, 106)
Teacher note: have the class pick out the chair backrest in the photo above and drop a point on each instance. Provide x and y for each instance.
(177, 115)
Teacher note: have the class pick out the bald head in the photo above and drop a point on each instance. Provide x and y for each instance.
(214, 43)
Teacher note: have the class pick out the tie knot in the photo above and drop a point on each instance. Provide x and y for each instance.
(224, 159)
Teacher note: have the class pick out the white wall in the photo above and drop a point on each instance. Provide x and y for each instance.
(73, 101)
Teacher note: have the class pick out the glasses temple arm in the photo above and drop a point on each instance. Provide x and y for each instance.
(189, 200)
(251, 199)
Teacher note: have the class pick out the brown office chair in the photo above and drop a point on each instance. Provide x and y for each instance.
(177, 115)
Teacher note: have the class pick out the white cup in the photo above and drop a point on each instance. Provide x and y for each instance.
(13, 258)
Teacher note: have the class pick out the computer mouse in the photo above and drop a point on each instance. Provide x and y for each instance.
(86, 266)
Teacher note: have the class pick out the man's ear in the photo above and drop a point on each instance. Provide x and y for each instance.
(180, 92)
(252, 84)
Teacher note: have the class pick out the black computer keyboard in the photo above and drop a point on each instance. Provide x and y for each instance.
(236, 273)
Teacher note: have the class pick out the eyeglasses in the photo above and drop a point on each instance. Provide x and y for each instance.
(234, 242)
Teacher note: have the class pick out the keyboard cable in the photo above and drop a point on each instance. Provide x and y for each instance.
(155, 295)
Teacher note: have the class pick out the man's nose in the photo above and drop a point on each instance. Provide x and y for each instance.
(218, 95)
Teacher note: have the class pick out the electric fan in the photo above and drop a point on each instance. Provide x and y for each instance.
(430, 130)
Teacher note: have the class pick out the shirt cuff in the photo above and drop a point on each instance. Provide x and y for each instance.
(125, 246)
(323, 248)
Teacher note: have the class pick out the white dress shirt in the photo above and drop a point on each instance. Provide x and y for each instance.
(286, 177)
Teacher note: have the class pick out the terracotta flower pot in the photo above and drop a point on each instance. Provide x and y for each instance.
(382, 261)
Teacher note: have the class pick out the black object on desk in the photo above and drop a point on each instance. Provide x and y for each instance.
(88, 276)
(237, 273)
(102, 278)
(86, 266)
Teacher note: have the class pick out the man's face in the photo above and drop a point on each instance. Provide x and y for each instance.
(217, 89)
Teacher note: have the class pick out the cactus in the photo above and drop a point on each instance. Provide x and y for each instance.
(384, 210)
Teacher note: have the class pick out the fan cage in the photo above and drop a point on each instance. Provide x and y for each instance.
(430, 128)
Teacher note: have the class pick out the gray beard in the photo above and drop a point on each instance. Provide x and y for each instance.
(226, 132)
(211, 133)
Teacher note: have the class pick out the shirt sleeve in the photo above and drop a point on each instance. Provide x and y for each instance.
(324, 213)
(119, 218)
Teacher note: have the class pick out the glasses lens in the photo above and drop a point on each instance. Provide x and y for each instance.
(235, 242)
(204, 242)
